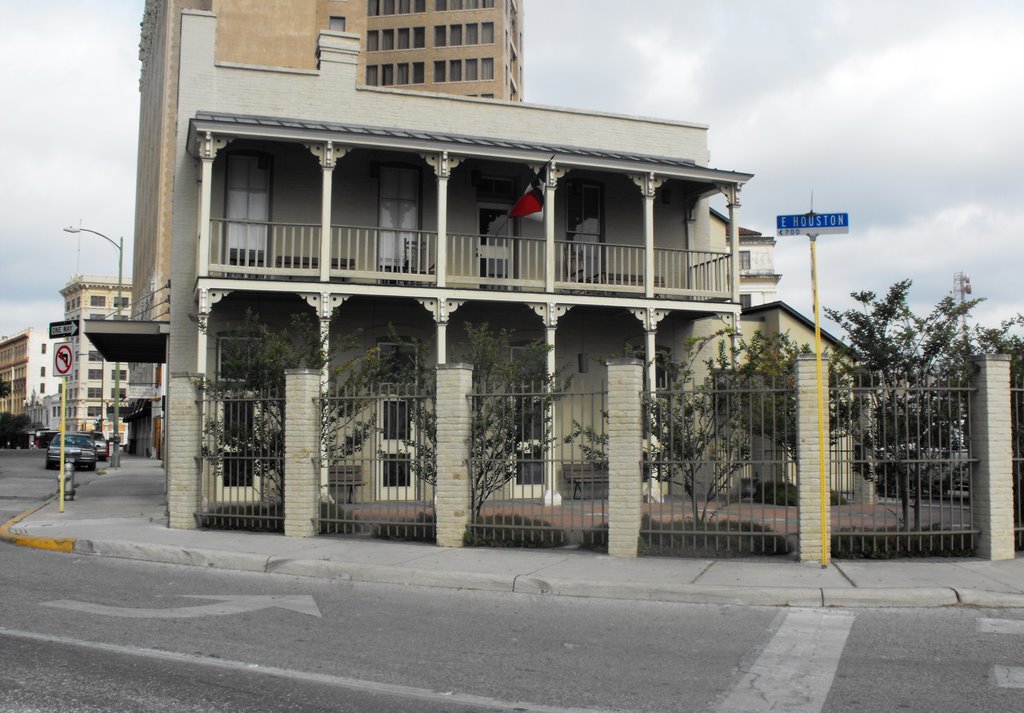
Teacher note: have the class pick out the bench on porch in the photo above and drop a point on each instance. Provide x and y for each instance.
(579, 474)
(344, 476)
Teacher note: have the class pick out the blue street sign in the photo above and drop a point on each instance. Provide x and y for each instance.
(813, 224)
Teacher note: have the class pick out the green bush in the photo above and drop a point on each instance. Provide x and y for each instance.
(512, 531)
(773, 492)
(892, 544)
(715, 538)
(420, 529)
(254, 517)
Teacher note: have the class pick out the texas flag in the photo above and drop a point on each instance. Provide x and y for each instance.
(532, 201)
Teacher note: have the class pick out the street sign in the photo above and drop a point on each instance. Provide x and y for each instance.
(63, 359)
(813, 223)
(63, 330)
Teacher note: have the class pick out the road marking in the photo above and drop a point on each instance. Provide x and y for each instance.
(795, 671)
(1000, 626)
(1008, 676)
(423, 694)
(303, 603)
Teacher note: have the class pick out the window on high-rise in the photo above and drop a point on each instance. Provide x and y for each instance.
(403, 38)
(471, 70)
(336, 23)
(419, 38)
(472, 33)
(402, 74)
(97, 301)
(439, 71)
(487, 4)
(372, 7)
(455, 70)
(440, 4)
(387, 7)
(404, 7)
(487, 68)
(372, 41)
(744, 259)
(387, 40)
(387, 75)
(417, 72)
(486, 33)
(455, 35)
(440, 36)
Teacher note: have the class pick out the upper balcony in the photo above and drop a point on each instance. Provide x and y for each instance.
(278, 201)
(372, 256)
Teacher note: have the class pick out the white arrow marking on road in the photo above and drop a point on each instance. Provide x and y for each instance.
(795, 671)
(1000, 626)
(1008, 676)
(235, 604)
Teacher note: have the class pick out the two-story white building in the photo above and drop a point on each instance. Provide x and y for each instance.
(299, 191)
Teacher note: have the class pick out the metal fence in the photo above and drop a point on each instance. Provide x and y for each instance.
(538, 470)
(242, 460)
(379, 462)
(718, 470)
(901, 467)
(1017, 424)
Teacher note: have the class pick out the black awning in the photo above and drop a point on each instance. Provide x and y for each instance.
(129, 340)
(141, 409)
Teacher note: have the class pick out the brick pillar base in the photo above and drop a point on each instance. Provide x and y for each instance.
(452, 500)
(182, 453)
(991, 445)
(814, 545)
(625, 452)
(301, 452)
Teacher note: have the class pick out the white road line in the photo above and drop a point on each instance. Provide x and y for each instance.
(422, 694)
(794, 672)
(1000, 626)
(1008, 676)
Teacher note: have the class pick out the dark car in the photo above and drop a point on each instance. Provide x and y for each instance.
(102, 446)
(78, 447)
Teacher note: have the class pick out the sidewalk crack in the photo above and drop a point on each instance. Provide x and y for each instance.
(845, 576)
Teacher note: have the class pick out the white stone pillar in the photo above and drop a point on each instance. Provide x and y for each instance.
(301, 452)
(442, 342)
(551, 494)
(443, 165)
(453, 504)
(648, 184)
(325, 222)
(625, 453)
(209, 145)
(991, 447)
(183, 452)
(814, 545)
(550, 187)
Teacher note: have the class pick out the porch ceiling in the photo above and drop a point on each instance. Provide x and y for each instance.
(355, 135)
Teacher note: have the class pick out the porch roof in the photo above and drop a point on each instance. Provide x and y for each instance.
(357, 135)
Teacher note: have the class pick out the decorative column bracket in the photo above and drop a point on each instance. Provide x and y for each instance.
(554, 174)
(648, 183)
(324, 302)
(442, 163)
(650, 317)
(440, 310)
(549, 312)
(209, 145)
(328, 153)
(731, 191)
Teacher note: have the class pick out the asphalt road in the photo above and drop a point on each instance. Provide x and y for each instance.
(95, 634)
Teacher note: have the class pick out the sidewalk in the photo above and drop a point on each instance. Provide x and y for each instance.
(122, 515)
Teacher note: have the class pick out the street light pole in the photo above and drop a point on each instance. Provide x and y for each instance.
(115, 455)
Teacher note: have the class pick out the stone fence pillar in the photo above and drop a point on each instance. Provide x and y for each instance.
(183, 451)
(452, 505)
(814, 528)
(625, 453)
(991, 447)
(301, 452)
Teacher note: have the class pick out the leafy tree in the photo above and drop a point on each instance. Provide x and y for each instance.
(511, 427)
(904, 418)
(12, 426)
(5, 389)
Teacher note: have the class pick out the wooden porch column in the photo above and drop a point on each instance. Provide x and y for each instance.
(209, 145)
(328, 154)
(443, 164)
(649, 185)
(551, 186)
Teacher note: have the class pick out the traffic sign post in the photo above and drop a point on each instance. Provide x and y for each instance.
(812, 225)
(63, 359)
(63, 330)
(63, 363)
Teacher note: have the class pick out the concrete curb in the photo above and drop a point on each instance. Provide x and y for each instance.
(990, 600)
(65, 544)
(890, 597)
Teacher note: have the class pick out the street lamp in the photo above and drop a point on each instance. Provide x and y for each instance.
(115, 455)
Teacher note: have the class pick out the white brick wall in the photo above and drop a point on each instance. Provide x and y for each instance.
(625, 385)
(301, 452)
(453, 502)
(991, 446)
(814, 533)
(183, 474)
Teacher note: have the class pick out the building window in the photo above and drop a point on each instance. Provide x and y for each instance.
(745, 301)
(744, 259)
(455, 4)
(94, 392)
(402, 74)
(42, 388)
(42, 371)
(97, 301)
(336, 23)
(44, 348)
(403, 7)
(487, 33)
(439, 72)
(417, 72)
(471, 73)
(440, 36)
(455, 70)
(488, 4)
(440, 4)
(487, 68)
(419, 6)
(113, 394)
(371, 75)
(96, 373)
(419, 37)
(94, 411)
(113, 374)
(372, 41)
(472, 34)
(387, 40)
(403, 38)
(387, 7)
(372, 7)
(95, 356)
(455, 35)
(387, 75)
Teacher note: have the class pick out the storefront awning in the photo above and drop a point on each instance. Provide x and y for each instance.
(129, 340)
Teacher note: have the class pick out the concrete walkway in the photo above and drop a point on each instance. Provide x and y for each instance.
(121, 514)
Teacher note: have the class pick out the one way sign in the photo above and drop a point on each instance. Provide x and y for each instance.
(63, 330)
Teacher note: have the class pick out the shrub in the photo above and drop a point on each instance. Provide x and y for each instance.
(714, 538)
(773, 492)
(891, 544)
(512, 531)
(254, 517)
(422, 528)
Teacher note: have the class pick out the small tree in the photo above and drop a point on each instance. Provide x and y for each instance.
(5, 389)
(511, 427)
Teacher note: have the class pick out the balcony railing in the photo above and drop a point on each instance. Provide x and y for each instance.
(369, 255)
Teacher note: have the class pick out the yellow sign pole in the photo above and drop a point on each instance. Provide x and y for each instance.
(822, 479)
(63, 411)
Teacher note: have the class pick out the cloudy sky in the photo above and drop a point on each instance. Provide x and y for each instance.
(906, 115)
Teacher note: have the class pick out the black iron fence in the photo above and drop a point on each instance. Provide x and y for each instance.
(1017, 424)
